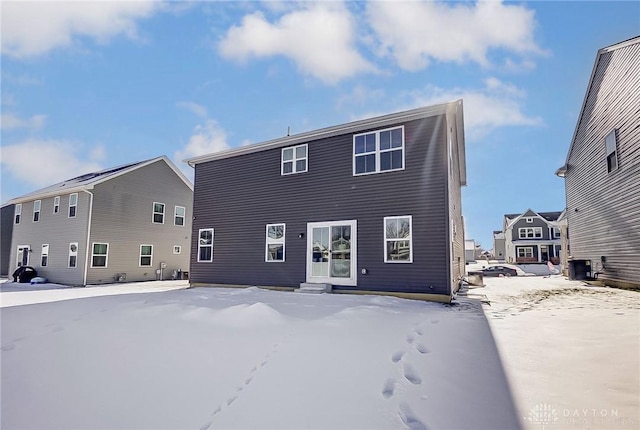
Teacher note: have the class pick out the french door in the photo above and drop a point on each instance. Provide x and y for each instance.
(331, 252)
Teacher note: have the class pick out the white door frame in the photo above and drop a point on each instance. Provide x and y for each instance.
(19, 255)
(350, 281)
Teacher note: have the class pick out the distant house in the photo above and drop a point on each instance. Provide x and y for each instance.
(469, 250)
(6, 230)
(532, 237)
(371, 206)
(602, 171)
(499, 246)
(123, 223)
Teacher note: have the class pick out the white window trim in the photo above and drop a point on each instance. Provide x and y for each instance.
(56, 204)
(72, 254)
(202, 246)
(270, 241)
(183, 216)
(45, 246)
(525, 230)
(17, 214)
(153, 213)
(529, 220)
(525, 248)
(611, 147)
(410, 239)
(73, 206)
(37, 203)
(294, 160)
(177, 249)
(378, 151)
(106, 256)
(140, 257)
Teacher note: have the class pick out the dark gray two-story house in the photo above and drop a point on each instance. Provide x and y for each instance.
(532, 237)
(602, 171)
(371, 206)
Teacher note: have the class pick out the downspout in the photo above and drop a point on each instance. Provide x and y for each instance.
(89, 221)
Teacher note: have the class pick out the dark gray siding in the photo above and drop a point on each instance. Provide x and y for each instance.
(238, 196)
(603, 209)
(6, 231)
(456, 227)
(537, 222)
(122, 217)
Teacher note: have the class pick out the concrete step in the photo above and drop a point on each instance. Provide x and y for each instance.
(314, 288)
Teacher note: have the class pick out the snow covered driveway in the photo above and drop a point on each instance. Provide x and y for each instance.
(255, 359)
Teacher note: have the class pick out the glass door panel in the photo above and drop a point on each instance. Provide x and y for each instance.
(340, 251)
(320, 252)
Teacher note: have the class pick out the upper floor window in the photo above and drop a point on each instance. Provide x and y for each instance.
(146, 255)
(529, 220)
(158, 213)
(530, 233)
(44, 255)
(18, 213)
(178, 215)
(275, 242)
(99, 254)
(378, 151)
(205, 244)
(56, 204)
(294, 159)
(612, 152)
(36, 210)
(555, 233)
(73, 205)
(397, 240)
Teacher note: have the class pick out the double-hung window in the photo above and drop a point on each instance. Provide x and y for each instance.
(274, 243)
(18, 213)
(294, 159)
(178, 215)
(37, 205)
(378, 151)
(99, 254)
(44, 255)
(146, 255)
(73, 254)
(158, 213)
(612, 151)
(525, 252)
(56, 204)
(205, 244)
(530, 233)
(398, 244)
(73, 205)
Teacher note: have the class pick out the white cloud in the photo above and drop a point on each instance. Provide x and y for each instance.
(34, 28)
(420, 32)
(319, 38)
(206, 139)
(496, 105)
(9, 121)
(45, 162)
(195, 108)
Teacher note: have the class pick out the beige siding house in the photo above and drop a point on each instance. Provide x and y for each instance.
(131, 222)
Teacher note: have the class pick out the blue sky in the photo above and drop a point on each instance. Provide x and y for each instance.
(88, 85)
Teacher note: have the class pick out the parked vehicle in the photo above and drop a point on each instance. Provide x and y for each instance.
(24, 274)
(498, 271)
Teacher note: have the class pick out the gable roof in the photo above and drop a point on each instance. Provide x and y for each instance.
(561, 171)
(548, 216)
(452, 108)
(88, 181)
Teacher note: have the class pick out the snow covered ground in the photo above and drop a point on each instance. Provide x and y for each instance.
(165, 357)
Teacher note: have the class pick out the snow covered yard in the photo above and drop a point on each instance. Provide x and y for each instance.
(256, 359)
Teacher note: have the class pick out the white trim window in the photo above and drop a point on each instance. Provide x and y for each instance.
(525, 252)
(179, 213)
(177, 249)
(378, 151)
(73, 255)
(18, 213)
(146, 255)
(529, 220)
(73, 205)
(294, 159)
(37, 205)
(530, 233)
(612, 151)
(158, 213)
(555, 233)
(44, 255)
(398, 242)
(205, 245)
(274, 243)
(99, 254)
(56, 204)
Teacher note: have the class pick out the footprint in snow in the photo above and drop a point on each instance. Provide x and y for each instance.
(409, 418)
(421, 348)
(397, 356)
(411, 375)
(387, 390)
